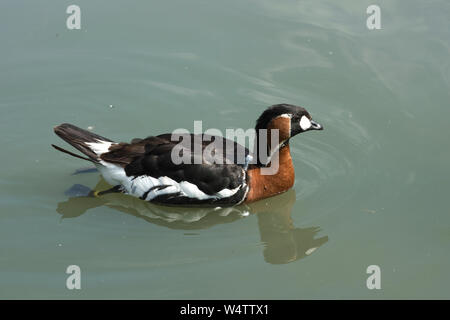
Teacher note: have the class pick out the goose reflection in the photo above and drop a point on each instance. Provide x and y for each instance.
(283, 242)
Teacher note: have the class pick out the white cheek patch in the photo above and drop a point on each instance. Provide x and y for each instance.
(305, 123)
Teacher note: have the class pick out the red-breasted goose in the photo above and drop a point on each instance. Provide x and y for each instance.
(145, 168)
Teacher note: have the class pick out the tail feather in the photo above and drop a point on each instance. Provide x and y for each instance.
(73, 154)
(80, 139)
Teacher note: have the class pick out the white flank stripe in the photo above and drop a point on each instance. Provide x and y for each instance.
(225, 193)
(140, 185)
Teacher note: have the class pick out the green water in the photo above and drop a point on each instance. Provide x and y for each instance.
(371, 189)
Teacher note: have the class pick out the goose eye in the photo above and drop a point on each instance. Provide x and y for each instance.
(305, 123)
